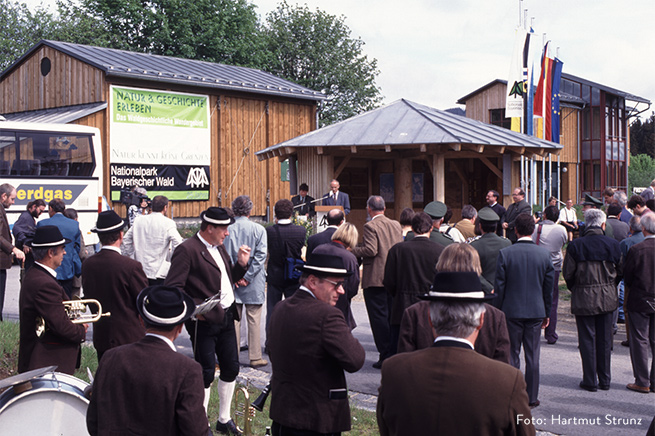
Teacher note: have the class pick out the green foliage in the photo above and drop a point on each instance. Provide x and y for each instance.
(21, 29)
(642, 137)
(9, 334)
(316, 50)
(641, 171)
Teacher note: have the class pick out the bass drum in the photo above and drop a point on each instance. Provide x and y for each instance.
(50, 404)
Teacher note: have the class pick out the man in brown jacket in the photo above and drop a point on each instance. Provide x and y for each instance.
(7, 249)
(115, 281)
(41, 298)
(310, 346)
(380, 234)
(449, 388)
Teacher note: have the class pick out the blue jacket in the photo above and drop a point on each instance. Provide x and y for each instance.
(70, 229)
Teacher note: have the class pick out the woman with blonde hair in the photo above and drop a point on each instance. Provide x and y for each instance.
(416, 330)
(343, 239)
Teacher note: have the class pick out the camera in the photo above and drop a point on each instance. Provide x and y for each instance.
(129, 198)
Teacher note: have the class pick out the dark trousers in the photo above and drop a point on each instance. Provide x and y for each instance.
(212, 341)
(378, 305)
(281, 430)
(3, 285)
(526, 332)
(642, 339)
(595, 343)
(274, 295)
(550, 334)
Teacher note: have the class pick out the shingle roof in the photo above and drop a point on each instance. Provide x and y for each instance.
(148, 67)
(406, 123)
(59, 115)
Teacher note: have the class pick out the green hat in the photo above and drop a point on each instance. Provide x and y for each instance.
(488, 214)
(435, 209)
(592, 201)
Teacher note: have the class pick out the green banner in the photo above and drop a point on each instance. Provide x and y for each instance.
(138, 106)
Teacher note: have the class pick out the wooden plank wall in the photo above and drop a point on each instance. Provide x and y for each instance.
(69, 82)
(478, 106)
(569, 135)
(315, 170)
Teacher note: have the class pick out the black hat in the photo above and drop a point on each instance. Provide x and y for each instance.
(325, 265)
(488, 214)
(48, 237)
(164, 306)
(435, 209)
(457, 286)
(592, 201)
(108, 221)
(217, 216)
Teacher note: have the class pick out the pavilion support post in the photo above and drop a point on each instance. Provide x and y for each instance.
(439, 177)
(403, 185)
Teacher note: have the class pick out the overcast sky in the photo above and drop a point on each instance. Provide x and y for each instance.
(435, 51)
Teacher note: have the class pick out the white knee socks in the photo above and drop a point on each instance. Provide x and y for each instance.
(225, 393)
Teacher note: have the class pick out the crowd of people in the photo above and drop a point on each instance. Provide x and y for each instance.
(449, 305)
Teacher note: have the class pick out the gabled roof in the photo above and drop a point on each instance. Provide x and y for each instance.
(59, 115)
(404, 123)
(483, 88)
(148, 67)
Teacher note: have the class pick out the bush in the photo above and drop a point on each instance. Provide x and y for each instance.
(640, 172)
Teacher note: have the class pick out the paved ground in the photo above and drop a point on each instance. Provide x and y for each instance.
(565, 408)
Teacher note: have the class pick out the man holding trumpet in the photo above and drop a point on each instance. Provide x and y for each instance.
(41, 301)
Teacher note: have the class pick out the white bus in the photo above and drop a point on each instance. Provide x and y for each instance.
(53, 161)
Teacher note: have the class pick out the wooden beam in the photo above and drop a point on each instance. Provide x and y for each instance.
(439, 176)
(456, 147)
(492, 167)
(353, 149)
(341, 166)
(458, 171)
(289, 150)
(423, 148)
(387, 148)
(476, 148)
(319, 150)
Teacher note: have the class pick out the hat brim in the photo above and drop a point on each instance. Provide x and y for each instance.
(64, 241)
(190, 307)
(461, 297)
(216, 222)
(114, 228)
(320, 271)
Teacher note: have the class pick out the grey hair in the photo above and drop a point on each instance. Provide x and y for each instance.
(6, 189)
(594, 217)
(40, 253)
(635, 224)
(648, 222)
(376, 203)
(621, 198)
(469, 212)
(242, 205)
(455, 318)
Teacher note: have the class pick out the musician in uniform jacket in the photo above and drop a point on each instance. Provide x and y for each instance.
(148, 388)
(449, 388)
(115, 281)
(201, 267)
(310, 346)
(41, 297)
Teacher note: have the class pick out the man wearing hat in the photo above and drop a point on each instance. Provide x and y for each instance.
(489, 244)
(515, 209)
(310, 346)
(449, 388)
(436, 210)
(115, 281)
(147, 387)
(201, 266)
(41, 297)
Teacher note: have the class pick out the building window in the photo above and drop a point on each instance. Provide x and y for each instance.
(497, 118)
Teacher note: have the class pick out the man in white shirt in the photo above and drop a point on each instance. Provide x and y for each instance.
(151, 241)
(568, 218)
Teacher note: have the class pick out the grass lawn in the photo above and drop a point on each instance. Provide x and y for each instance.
(363, 422)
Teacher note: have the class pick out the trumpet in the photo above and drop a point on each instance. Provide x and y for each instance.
(76, 311)
(242, 408)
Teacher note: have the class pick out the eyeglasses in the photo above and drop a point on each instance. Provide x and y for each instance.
(336, 285)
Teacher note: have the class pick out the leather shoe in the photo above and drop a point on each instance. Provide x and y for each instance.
(258, 363)
(535, 404)
(588, 388)
(228, 428)
(378, 364)
(625, 343)
(243, 348)
(604, 387)
(637, 388)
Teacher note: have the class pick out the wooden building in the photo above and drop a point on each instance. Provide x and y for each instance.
(594, 134)
(248, 110)
(410, 154)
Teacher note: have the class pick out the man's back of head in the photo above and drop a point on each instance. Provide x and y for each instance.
(469, 212)
(283, 209)
(242, 206)
(524, 225)
(335, 217)
(376, 204)
(57, 205)
(159, 203)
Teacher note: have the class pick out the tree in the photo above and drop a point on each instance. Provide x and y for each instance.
(642, 137)
(641, 171)
(224, 31)
(316, 50)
